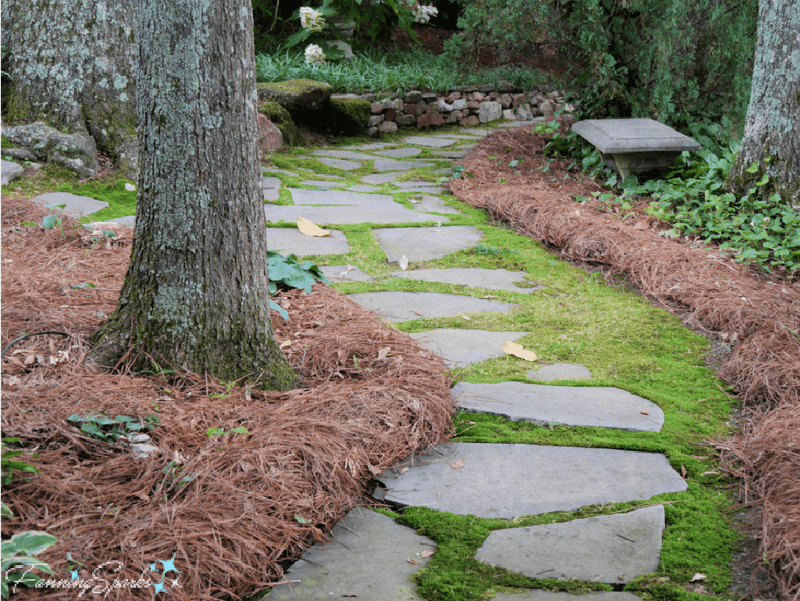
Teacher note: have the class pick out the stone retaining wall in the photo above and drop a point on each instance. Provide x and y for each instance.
(465, 105)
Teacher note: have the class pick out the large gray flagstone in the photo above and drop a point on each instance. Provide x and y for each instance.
(463, 347)
(369, 558)
(404, 306)
(381, 178)
(416, 185)
(286, 241)
(545, 595)
(610, 548)
(474, 277)
(129, 220)
(430, 142)
(307, 196)
(394, 165)
(455, 136)
(10, 171)
(476, 131)
(340, 164)
(450, 154)
(428, 203)
(363, 188)
(323, 183)
(76, 206)
(345, 273)
(426, 244)
(380, 213)
(562, 405)
(370, 146)
(507, 480)
(344, 154)
(560, 371)
(399, 153)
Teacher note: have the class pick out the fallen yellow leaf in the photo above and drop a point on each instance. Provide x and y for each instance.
(517, 350)
(311, 229)
(426, 554)
(457, 465)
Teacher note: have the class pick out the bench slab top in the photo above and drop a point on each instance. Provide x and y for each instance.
(612, 136)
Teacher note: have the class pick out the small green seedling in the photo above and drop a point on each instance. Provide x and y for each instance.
(102, 427)
(221, 432)
(19, 558)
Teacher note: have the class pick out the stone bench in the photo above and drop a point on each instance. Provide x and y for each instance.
(634, 145)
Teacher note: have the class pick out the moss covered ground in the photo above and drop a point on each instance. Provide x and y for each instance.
(576, 317)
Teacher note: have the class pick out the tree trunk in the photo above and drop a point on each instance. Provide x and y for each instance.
(772, 130)
(72, 65)
(195, 295)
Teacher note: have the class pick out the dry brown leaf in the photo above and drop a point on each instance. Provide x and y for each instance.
(414, 561)
(383, 353)
(426, 554)
(457, 465)
(403, 470)
(683, 472)
(286, 343)
(700, 457)
(517, 350)
(645, 412)
(710, 474)
(310, 228)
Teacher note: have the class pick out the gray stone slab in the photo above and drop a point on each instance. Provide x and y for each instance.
(363, 188)
(379, 213)
(431, 204)
(371, 146)
(271, 183)
(399, 153)
(129, 220)
(76, 206)
(506, 480)
(477, 131)
(562, 405)
(632, 135)
(426, 244)
(345, 273)
(271, 194)
(393, 165)
(463, 347)
(455, 136)
(344, 154)
(544, 595)
(368, 558)
(430, 142)
(340, 164)
(306, 196)
(287, 241)
(381, 178)
(612, 548)
(275, 170)
(450, 154)
(560, 371)
(419, 186)
(448, 170)
(10, 171)
(404, 306)
(474, 277)
(323, 184)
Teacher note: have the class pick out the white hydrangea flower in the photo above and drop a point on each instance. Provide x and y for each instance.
(311, 19)
(314, 55)
(423, 14)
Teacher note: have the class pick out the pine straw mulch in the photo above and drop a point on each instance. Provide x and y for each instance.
(729, 302)
(371, 397)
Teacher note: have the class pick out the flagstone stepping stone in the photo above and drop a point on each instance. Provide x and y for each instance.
(286, 240)
(431, 204)
(405, 306)
(371, 146)
(380, 213)
(363, 188)
(477, 131)
(10, 171)
(525, 479)
(419, 186)
(474, 277)
(345, 273)
(394, 165)
(344, 154)
(271, 186)
(451, 154)
(399, 153)
(340, 164)
(380, 178)
(560, 371)
(430, 142)
(426, 244)
(455, 136)
(75, 206)
(463, 347)
(274, 170)
(369, 558)
(610, 548)
(129, 220)
(562, 405)
(305, 196)
(446, 170)
(323, 184)
(544, 595)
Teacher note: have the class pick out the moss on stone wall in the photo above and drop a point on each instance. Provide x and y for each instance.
(281, 117)
(346, 116)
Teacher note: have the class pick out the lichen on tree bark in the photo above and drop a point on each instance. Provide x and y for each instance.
(195, 295)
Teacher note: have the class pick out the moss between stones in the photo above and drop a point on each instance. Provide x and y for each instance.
(281, 117)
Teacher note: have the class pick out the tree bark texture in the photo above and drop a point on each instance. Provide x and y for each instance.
(772, 129)
(195, 295)
(73, 65)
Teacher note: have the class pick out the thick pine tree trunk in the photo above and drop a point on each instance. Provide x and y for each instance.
(772, 129)
(73, 65)
(195, 296)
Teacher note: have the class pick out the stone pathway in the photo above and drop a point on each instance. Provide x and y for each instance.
(371, 556)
